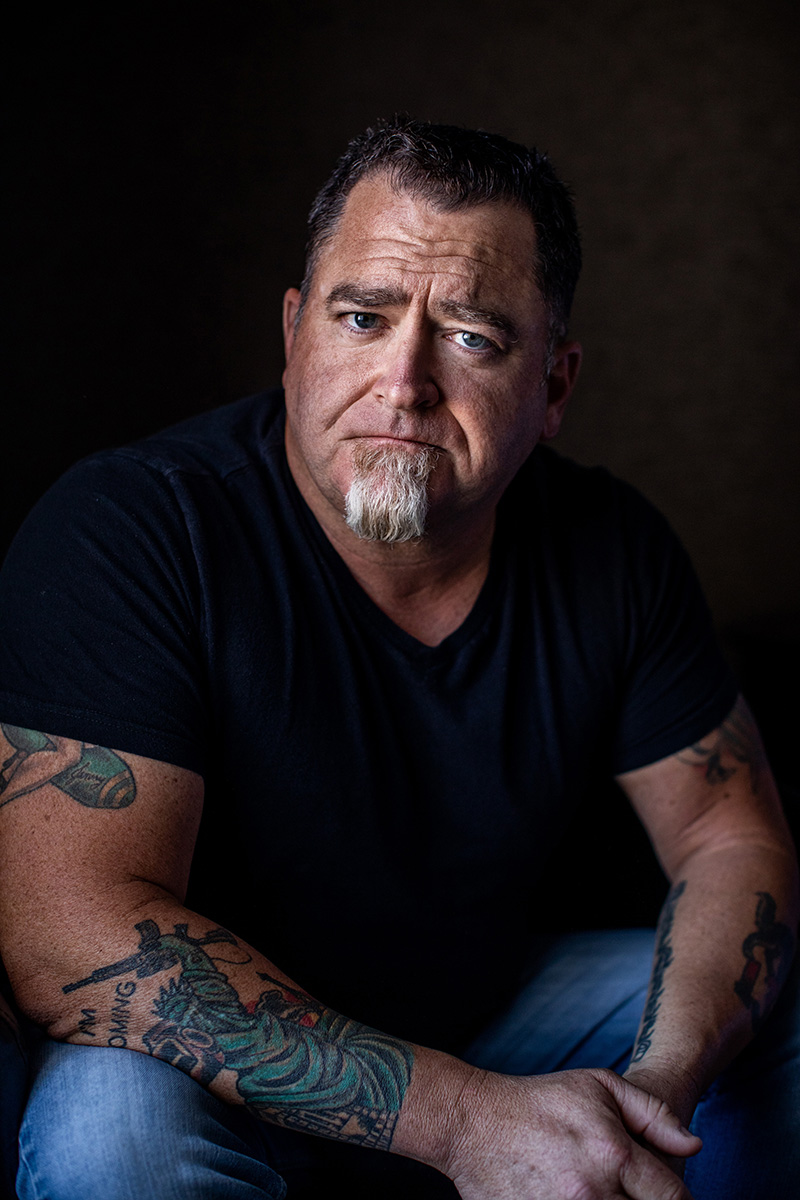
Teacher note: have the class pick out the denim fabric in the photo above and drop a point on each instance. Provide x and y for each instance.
(104, 1124)
(116, 1125)
(580, 1006)
(749, 1119)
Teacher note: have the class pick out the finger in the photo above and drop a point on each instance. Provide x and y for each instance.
(650, 1117)
(645, 1178)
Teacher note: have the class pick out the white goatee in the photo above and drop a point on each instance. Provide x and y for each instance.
(388, 498)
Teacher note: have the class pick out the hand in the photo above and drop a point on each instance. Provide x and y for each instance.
(575, 1135)
(676, 1089)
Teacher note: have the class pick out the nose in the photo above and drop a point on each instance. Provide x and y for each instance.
(406, 380)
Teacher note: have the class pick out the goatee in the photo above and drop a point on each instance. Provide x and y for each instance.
(388, 498)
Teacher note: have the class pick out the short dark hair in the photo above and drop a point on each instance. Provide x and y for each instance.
(460, 168)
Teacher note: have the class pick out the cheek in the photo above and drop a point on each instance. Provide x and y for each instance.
(497, 433)
(321, 385)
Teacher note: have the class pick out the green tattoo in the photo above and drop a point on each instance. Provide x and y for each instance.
(297, 1063)
(92, 775)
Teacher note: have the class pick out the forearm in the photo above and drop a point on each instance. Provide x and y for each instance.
(158, 979)
(152, 977)
(723, 948)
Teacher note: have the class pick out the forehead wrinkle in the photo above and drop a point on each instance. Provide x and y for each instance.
(369, 274)
(404, 245)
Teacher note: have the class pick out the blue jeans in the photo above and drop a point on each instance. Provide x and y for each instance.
(106, 1124)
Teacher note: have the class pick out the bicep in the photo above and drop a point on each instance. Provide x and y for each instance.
(713, 794)
(93, 829)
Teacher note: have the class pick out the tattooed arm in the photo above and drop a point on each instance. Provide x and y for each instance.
(95, 855)
(101, 951)
(726, 935)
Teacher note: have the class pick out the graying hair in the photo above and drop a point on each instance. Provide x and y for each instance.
(454, 169)
(388, 498)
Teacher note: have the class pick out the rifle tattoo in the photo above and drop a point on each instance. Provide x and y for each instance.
(297, 1063)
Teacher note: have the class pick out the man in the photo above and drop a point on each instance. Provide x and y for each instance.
(394, 642)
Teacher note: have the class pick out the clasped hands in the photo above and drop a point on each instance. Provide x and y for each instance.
(574, 1135)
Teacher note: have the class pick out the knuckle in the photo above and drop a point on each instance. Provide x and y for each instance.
(618, 1157)
(658, 1112)
(605, 1076)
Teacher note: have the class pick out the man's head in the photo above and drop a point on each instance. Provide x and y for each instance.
(456, 168)
(429, 359)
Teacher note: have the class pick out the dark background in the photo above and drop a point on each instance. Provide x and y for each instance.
(163, 159)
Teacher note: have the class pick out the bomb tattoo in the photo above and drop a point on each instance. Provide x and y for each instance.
(92, 775)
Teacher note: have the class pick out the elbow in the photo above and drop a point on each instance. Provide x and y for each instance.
(749, 858)
(37, 995)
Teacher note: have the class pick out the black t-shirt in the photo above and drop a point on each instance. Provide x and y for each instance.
(377, 810)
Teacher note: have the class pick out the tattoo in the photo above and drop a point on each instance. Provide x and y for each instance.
(92, 775)
(663, 958)
(736, 743)
(770, 948)
(297, 1063)
(120, 1017)
(88, 1021)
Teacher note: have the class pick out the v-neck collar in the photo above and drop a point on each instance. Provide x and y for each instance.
(372, 613)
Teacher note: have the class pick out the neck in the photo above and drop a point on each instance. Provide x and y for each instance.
(427, 587)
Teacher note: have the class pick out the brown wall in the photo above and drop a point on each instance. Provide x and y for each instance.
(164, 167)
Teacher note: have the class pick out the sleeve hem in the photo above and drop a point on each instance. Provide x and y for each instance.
(100, 730)
(680, 736)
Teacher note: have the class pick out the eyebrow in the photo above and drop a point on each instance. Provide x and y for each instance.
(361, 296)
(367, 297)
(479, 316)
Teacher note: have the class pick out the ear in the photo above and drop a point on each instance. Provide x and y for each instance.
(560, 382)
(291, 307)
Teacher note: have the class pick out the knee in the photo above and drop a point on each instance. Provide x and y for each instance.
(105, 1124)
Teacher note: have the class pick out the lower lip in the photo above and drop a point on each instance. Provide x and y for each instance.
(392, 441)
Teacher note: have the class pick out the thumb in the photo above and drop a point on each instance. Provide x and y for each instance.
(650, 1118)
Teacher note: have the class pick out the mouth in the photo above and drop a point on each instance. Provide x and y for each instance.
(389, 439)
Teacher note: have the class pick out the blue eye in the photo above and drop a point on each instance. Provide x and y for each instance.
(474, 341)
(362, 320)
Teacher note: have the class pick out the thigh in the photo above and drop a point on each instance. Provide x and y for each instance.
(749, 1119)
(106, 1124)
(579, 1006)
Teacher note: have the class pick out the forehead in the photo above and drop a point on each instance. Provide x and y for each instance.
(487, 249)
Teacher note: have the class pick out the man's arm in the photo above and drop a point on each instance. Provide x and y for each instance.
(102, 952)
(726, 936)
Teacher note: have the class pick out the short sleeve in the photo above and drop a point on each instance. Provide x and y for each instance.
(101, 618)
(677, 686)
